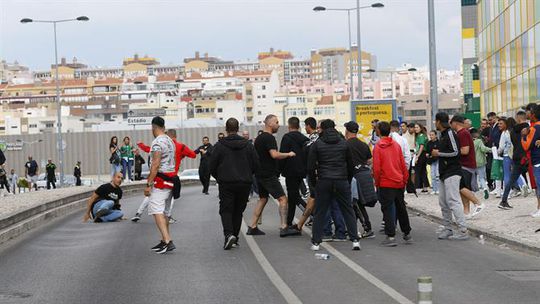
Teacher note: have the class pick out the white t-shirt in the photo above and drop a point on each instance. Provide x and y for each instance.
(404, 147)
(165, 145)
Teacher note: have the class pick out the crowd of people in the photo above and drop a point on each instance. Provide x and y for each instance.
(344, 175)
(11, 183)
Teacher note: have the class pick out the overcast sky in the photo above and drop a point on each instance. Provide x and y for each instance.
(231, 29)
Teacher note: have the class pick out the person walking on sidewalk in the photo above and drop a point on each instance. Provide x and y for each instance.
(433, 161)
(268, 178)
(450, 175)
(104, 204)
(157, 188)
(31, 172)
(50, 168)
(467, 159)
(480, 151)
(330, 170)
(293, 168)
(530, 142)
(204, 172)
(516, 161)
(391, 175)
(361, 159)
(77, 173)
(233, 163)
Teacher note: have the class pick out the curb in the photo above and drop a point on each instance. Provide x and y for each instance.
(19, 223)
(476, 232)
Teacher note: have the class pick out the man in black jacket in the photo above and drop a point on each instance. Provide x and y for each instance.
(233, 164)
(450, 177)
(293, 168)
(204, 172)
(330, 170)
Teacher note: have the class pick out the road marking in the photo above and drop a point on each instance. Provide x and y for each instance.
(362, 272)
(272, 274)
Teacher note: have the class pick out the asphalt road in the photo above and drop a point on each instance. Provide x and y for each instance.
(71, 262)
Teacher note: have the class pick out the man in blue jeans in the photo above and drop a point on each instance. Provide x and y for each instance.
(104, 204)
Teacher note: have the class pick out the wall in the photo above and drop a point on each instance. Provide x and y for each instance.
(91, 148)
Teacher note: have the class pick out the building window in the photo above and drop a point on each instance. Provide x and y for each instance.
(49, 125)
(415, 113)
(220, 110)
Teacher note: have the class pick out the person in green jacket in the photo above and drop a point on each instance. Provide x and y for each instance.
(480, 151)
(127, 155)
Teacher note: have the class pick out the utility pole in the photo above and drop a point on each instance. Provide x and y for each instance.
(432, 63)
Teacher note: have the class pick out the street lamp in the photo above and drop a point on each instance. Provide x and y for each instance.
(391, 76)
(59, 145)
(359, 55)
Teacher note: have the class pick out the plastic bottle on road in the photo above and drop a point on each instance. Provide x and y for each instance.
(322, 256)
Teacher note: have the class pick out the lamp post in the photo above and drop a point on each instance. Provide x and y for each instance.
(59, 143)
(432, 63)
(391, 77)
(359, 55)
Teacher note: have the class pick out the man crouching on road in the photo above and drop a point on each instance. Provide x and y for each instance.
(159, 187)
(104, 204)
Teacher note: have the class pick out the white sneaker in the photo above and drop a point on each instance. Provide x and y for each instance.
(315, 247)
(356, 245)
(494, 192)
(525, 190)
(478, 209)
(433, 192)
(536, 213)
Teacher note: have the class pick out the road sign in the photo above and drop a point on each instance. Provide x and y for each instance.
(365, 111)
(146, 112)
(139, 120)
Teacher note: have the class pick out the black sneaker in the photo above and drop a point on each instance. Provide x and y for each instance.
(389, 242)
(229, 242)
(136, 218)
(98, 220)
(254, 231)
(407, 238)
(159, 246)
(289, 231)
(167, 248)
(336, 238)
(504, 205)
(101, 212)
(368, 234)
(236, 244)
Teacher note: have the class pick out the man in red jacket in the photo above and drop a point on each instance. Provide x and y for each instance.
(391, 175)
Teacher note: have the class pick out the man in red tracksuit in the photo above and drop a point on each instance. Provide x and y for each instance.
(181, 152)
(391, 175)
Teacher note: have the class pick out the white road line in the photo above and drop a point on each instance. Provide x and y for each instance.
(272, 274)
(362, 272)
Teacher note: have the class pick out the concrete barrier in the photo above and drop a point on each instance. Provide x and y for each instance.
(21, 222)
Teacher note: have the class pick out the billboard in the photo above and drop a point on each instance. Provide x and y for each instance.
(365, 111)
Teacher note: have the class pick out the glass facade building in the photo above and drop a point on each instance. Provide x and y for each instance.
(508, 42)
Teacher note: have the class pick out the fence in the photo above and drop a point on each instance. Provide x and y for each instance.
(92, 148)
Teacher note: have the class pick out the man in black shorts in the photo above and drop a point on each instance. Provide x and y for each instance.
(268, 177)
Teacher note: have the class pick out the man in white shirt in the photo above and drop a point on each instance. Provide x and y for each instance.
(394, 129)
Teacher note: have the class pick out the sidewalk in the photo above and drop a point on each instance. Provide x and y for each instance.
(514, 227)
(12, 204)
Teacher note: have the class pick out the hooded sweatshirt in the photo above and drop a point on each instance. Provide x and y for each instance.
(330, 158)
(233, 160)
(293, 166)
(389, 169)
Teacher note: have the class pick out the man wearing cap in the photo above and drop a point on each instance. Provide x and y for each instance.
(467, 159)
(361, 159)
(51, 176)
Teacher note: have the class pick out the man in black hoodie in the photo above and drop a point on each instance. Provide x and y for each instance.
(330, 169)
(233, 164)
(293, 168)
